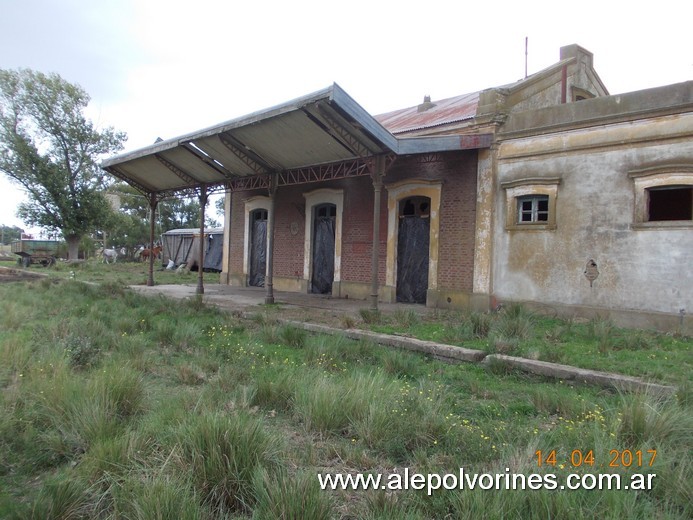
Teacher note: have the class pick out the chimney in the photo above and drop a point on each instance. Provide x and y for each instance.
(426, 105)
(580, 53)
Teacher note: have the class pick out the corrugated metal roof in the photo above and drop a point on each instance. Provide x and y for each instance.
(325, 127)
(195, 231)
(445, 111)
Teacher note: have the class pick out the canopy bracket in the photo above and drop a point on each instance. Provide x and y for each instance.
(185, 176)
(249, 158)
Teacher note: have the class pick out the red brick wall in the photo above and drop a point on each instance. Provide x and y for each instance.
(457, 171)
(457, 221)
(237, 230)
(357, 230)
(288, 248)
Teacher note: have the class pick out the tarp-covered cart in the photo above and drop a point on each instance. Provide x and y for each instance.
(35, 252)
(182, 246)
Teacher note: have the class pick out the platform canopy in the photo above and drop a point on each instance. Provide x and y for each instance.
(318, 130)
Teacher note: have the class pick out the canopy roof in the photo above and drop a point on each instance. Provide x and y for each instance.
(322, 128)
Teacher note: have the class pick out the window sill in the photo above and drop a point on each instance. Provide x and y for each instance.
(531, 227)
(664, 224)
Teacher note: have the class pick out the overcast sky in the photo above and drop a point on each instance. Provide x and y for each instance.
(162, 68)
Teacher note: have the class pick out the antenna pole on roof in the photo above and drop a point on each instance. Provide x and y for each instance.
(526, 45)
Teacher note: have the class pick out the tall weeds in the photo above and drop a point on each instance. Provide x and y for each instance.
(223, 453)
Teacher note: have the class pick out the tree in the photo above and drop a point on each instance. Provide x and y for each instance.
(130, 226)
(10, 233)
(48, 147)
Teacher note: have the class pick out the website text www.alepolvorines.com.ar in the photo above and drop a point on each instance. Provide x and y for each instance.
(462, 480)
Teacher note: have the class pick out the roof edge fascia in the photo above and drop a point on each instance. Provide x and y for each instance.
(267, 113)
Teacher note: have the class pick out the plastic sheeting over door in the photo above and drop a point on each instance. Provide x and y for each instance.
(214, 253)
(258, 251)
(412, 259)
(323, 255)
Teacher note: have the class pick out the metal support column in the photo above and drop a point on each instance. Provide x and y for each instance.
(269, 284)
(201, 254)
(377, 174)
(153, 203)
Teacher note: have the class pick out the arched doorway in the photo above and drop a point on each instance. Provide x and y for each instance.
(258, 248)
(413, 240)
(322, 272)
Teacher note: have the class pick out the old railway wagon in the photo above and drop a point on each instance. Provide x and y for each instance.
(35, 252)
(182, 246)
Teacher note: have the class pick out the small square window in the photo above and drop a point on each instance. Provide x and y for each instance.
(670, 203)
(533, 208)
(531, 203)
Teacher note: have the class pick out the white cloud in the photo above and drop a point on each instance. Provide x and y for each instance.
(161, 68)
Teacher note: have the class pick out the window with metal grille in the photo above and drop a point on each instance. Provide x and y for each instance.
(532, 208)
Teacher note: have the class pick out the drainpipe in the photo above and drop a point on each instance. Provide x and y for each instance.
(564, 84)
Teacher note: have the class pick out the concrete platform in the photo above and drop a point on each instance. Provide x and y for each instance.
(249, 298)
(323, 314)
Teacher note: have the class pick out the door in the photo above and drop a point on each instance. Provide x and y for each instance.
(413, 238)
(258, 248)
(323, 248)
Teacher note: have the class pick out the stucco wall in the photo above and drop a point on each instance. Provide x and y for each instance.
(639, 269)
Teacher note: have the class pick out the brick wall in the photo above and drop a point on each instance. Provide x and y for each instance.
(457, 220)
(457, 213)
(357, 231)
(288, 248)
(237, 230)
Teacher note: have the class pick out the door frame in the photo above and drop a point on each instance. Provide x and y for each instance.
(316, 198)
(400, 219)
(395, 193)
(251, 204)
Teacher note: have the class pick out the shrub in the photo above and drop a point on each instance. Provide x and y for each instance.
(323, 404)
(331, 352)
(648, 419)
(274, 391)
(348, 321)
(402, 364)
(64, 498)
(546, 399)
(635, 340)
(296, 497)
(506, 345)
(514, 322)
(82, 352)
(406, 318)
(601, 331)
(371, 316)
(114, 455)
(269, 333)
(222, 454)
(190, 375)
(293, 336)
(122, 388)
(480, 323)
(157, 497)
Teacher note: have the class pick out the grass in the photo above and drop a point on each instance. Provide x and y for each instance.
(116, 275)
(595, 344)
(113, 405)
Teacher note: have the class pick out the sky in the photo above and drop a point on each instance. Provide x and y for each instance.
(163, 68)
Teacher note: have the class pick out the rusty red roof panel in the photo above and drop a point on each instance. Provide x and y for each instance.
(450, 110)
